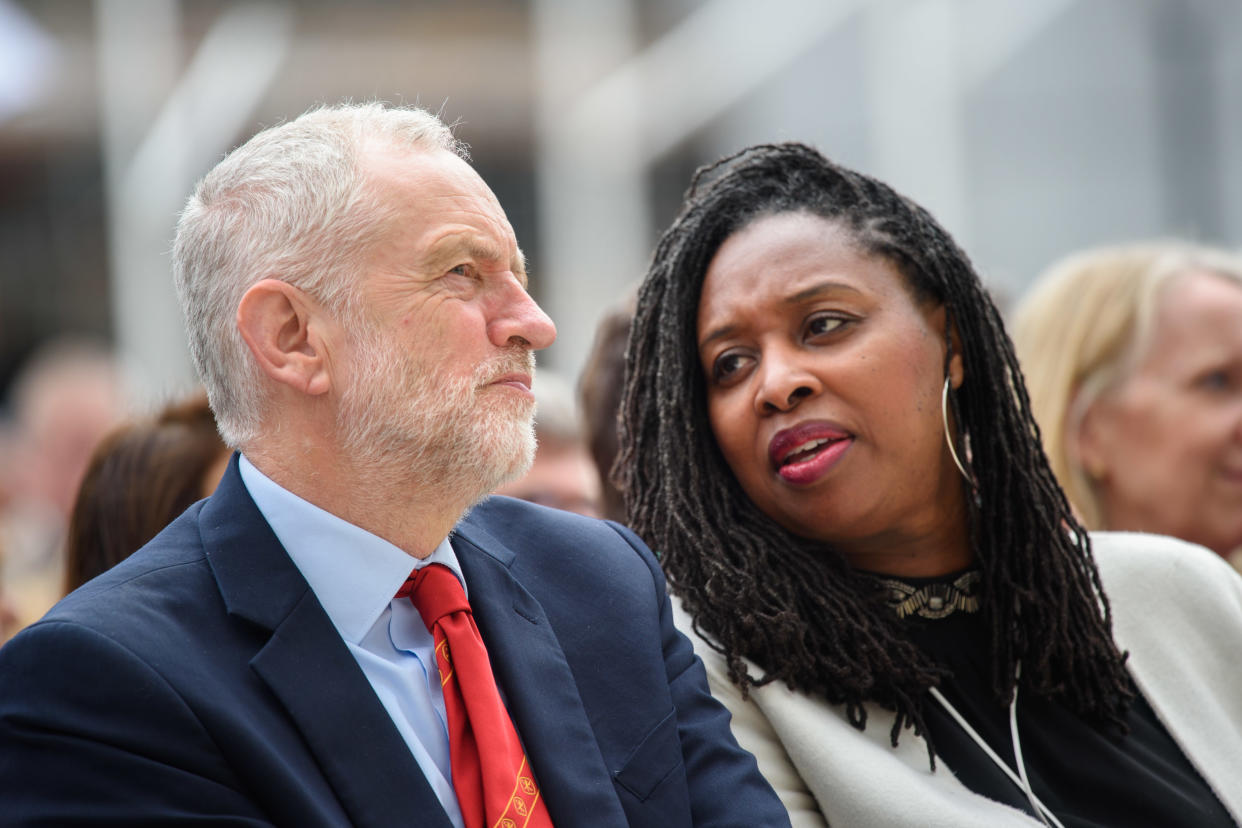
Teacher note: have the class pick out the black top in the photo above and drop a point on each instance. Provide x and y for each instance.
(1088, 777)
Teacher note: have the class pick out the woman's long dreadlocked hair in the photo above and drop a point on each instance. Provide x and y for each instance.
(792, 606)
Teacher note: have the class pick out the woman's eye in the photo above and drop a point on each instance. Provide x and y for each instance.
(1215, 381)
(726, 366)
(462, 270)
(819, 325)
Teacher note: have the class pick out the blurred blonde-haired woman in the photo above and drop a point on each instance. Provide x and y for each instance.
(1133, 360)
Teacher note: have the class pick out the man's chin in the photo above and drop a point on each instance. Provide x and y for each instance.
(503, 448)
(505, 405)
(520, 459)
(519, 469)
(514, 471)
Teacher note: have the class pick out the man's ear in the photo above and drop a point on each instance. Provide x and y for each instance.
(279, 324)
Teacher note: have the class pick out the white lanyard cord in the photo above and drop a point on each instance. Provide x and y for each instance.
(1040, 808)
(1042, 811)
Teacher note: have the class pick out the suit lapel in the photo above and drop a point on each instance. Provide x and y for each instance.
(368, 765)
(311, 671)
(540, 689)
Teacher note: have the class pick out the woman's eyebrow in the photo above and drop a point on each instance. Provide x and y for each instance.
(814, 291)
(820, 289)
(717, 333)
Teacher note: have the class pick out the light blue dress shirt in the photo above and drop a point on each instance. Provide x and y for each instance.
(356, 575)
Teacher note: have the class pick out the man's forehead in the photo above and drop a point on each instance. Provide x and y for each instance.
(428, 166)
(461, 216)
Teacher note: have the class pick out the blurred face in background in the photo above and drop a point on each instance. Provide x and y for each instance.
(1163, 448)
(563, 476)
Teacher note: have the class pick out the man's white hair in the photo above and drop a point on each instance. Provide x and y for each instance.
(292, 203)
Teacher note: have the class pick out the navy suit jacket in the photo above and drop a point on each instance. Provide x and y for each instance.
(201, 680)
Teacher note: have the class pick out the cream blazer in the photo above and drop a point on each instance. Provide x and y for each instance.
(1177, 608)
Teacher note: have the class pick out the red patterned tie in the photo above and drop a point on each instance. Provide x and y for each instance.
(494, 783)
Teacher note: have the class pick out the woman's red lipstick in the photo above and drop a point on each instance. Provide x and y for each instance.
(803, 454)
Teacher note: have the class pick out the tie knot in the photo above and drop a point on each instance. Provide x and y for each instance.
(435, 592)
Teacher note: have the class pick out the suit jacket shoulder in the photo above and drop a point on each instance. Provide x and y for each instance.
(201, 676)
(663, 739)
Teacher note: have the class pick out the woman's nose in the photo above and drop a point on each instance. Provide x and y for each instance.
(784, 382)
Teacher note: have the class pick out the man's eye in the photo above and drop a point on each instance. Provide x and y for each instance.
(461, 270)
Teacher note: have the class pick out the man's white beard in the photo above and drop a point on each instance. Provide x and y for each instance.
(415, 424)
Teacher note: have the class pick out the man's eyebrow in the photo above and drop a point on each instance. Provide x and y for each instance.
(453, 247)
(518, 266)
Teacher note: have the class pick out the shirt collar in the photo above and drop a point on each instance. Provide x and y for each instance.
(353, 573)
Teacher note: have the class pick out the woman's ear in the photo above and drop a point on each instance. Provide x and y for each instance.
(279, 324)
(1086, 441)
(957, 370)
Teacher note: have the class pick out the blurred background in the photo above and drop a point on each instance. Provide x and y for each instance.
(1031, 128)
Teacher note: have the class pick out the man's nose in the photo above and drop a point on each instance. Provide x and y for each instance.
(520, 320)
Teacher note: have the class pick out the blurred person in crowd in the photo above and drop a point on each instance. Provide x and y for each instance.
(64, 400)
(330, 639)
(563, 475)
(1133, 358)
(599, 388)
(141, 476)
(825, 435)
(10, 621)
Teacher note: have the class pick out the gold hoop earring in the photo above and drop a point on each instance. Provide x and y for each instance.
(948, 434)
